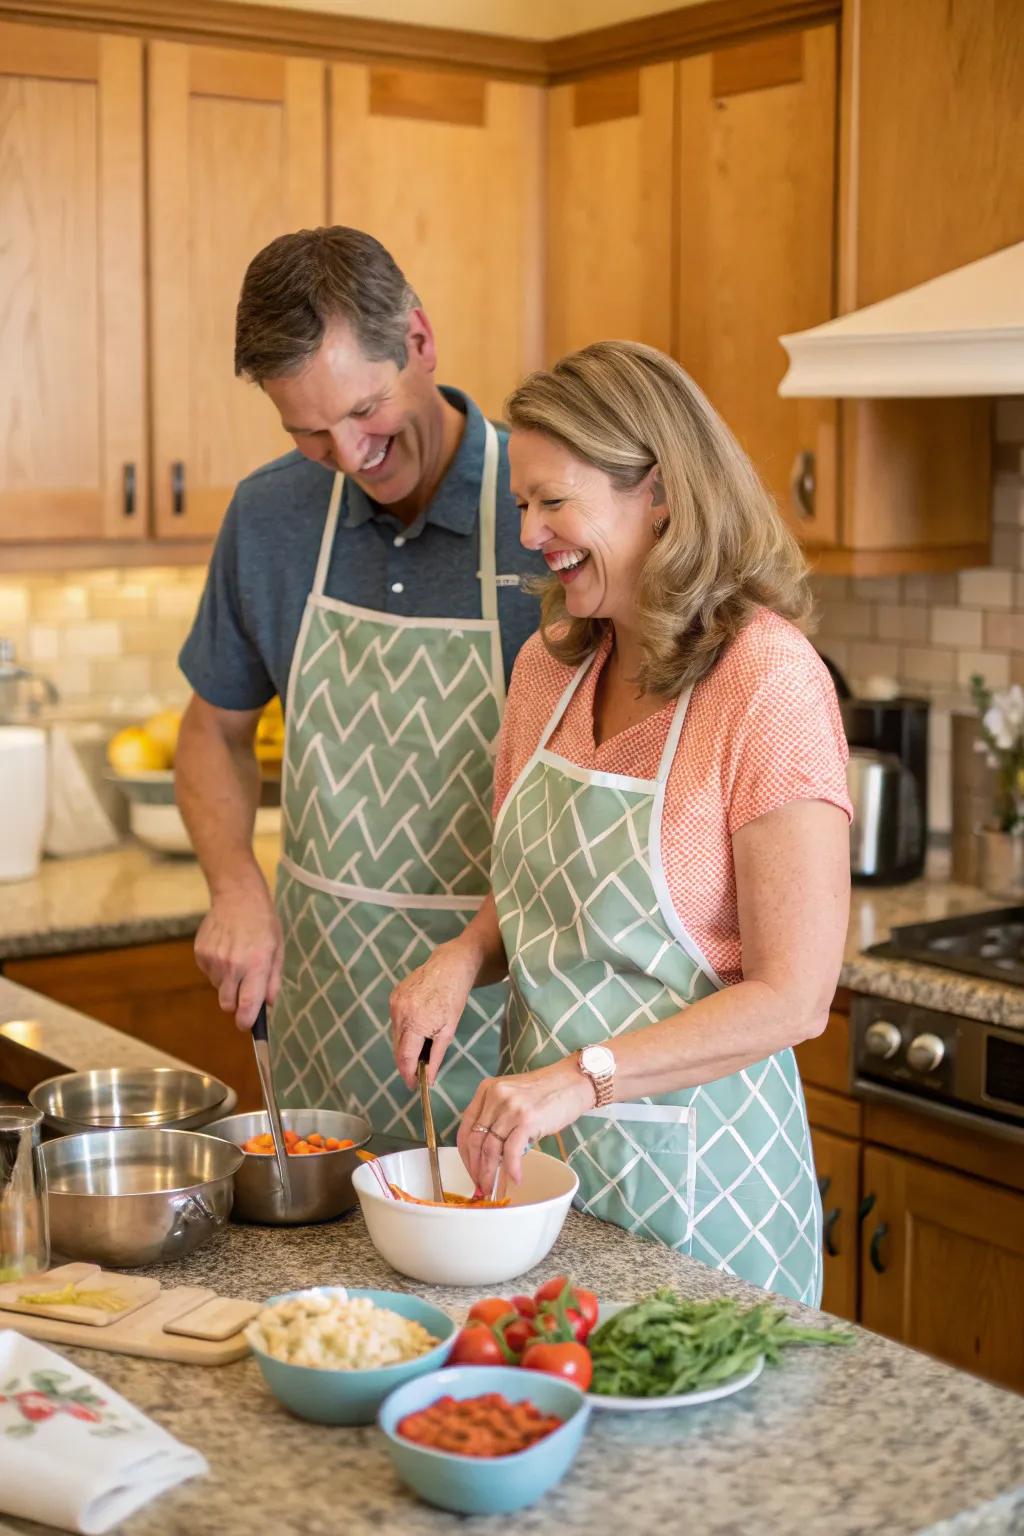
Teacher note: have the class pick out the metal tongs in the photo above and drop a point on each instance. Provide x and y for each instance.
(261, 1045)
(428, 1122)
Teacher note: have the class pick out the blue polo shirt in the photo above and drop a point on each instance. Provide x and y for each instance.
(239, 651)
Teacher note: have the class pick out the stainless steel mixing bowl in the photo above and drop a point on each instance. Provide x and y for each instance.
(321, 1184)
(131, 1197)
(174, 1098)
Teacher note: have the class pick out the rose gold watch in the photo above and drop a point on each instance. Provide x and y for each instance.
(598, 1063)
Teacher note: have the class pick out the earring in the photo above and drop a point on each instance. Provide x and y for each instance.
(658, 527)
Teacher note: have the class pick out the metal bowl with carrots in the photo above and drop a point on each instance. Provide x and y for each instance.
(322, 1147)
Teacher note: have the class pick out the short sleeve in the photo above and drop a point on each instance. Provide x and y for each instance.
(532, 693)
(220, 658)
(790, 744)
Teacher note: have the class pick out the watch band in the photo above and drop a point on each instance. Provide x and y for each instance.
(603, 1082)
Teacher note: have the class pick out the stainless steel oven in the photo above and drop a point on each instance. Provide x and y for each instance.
(943, 1064)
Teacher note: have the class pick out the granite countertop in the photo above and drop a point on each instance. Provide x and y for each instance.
(133, 896)
(39, 1038)
(874, 1438)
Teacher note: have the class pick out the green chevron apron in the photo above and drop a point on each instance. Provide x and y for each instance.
(723, 1172)
(386, 802)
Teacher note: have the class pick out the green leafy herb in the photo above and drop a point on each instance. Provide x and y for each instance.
(664, 1345)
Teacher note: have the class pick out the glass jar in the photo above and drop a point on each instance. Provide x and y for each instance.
(24, 1229)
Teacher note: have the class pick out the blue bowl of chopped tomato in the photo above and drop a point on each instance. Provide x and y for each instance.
(494, 1409)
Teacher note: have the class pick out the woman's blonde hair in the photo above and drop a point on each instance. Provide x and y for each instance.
(625, 408)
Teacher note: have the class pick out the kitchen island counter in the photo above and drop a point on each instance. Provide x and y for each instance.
(836, 1441)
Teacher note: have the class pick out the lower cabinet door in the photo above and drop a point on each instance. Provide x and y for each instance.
(942, 1265)
(837, 1160)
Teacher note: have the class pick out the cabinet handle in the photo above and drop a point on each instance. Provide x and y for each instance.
(128, 489)
(803, 484)
(178, 488)
(875, 1251)
(824, 1185)
(865, 1208)
(830, 1219)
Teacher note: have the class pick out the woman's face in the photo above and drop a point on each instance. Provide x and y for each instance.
(594, 537)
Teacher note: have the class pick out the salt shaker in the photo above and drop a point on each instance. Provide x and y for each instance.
(24, 1229)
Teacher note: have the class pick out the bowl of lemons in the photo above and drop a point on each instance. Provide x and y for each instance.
(141, 759)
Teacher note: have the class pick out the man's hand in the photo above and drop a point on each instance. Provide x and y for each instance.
(240, 947)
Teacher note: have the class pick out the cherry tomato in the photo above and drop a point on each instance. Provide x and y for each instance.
(571, 1362)
(519, 1334)
(476, 1345)
(547, 1322)
(525, 1306)
(490, 1309)
(584, 1302)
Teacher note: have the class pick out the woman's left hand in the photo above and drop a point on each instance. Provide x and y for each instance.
(516, 1110)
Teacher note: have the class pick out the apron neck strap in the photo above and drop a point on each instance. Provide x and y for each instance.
(674, 733)
(488, 525)
(327, 541)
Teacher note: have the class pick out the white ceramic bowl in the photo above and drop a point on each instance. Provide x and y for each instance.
(453, 1246)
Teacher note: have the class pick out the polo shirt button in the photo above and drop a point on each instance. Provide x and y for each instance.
(397, 586)
(399, 540)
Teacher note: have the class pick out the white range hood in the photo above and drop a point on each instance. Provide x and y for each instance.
(959, 334)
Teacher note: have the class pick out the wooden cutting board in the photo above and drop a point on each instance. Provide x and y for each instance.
(134, 1290)
(141, 1333)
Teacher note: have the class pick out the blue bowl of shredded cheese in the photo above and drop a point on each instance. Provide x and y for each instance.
(333, 1354)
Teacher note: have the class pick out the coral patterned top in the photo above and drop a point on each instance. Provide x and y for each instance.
(762, 729)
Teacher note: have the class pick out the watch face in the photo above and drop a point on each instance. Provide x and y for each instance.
(598, 1060)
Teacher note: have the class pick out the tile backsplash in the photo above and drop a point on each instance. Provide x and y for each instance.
(108, 639)
(930, 634)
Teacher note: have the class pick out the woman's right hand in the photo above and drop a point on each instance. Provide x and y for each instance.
(428, 1004)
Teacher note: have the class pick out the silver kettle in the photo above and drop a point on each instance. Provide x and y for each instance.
(887, 831)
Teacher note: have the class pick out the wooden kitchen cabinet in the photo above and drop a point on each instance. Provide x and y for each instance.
(609, 210)
(73, 460)
(837, 1161)
(446, 171)
(155, 993)
(932, 145)
(756, 212)
(942, 1265)
(236, 157)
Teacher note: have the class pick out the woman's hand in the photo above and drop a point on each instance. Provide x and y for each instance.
(517, 1110)
(428, 1004)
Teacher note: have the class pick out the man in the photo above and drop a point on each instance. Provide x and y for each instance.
(382, 601)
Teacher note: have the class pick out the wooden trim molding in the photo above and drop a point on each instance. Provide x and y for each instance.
(897, 562)
(627, 45)
(672, 34)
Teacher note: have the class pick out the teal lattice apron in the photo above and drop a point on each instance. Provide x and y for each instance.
(386, 801)
(723, 1172)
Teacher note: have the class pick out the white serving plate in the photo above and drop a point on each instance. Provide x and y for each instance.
(608, 1309)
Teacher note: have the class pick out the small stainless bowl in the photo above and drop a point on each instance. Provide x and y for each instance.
(321, 1184)
(131, 1197)
(171, 1098)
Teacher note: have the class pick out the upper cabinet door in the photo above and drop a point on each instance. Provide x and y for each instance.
(757, 136)
(610, 192)
(236, 149)
(934, 116)
(445, 170)
(72, 370)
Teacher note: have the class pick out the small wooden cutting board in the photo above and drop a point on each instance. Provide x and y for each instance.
(134, 1290)
(142, 1333)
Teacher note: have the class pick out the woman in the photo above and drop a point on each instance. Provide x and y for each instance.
(670, 868)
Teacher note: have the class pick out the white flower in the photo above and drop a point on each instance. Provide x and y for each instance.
(1004, 719)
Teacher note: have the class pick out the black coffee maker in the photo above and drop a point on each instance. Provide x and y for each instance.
(887, 777)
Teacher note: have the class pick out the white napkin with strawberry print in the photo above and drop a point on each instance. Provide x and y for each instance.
(73, 1453)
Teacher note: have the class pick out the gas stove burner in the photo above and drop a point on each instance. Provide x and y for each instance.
(988, 944)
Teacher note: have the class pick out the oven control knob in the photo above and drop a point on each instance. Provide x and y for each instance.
(882, 1039)
(925, 1052)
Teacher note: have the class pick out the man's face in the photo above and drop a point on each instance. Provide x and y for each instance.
(368, 419)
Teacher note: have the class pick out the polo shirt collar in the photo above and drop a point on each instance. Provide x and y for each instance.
(456, 502)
